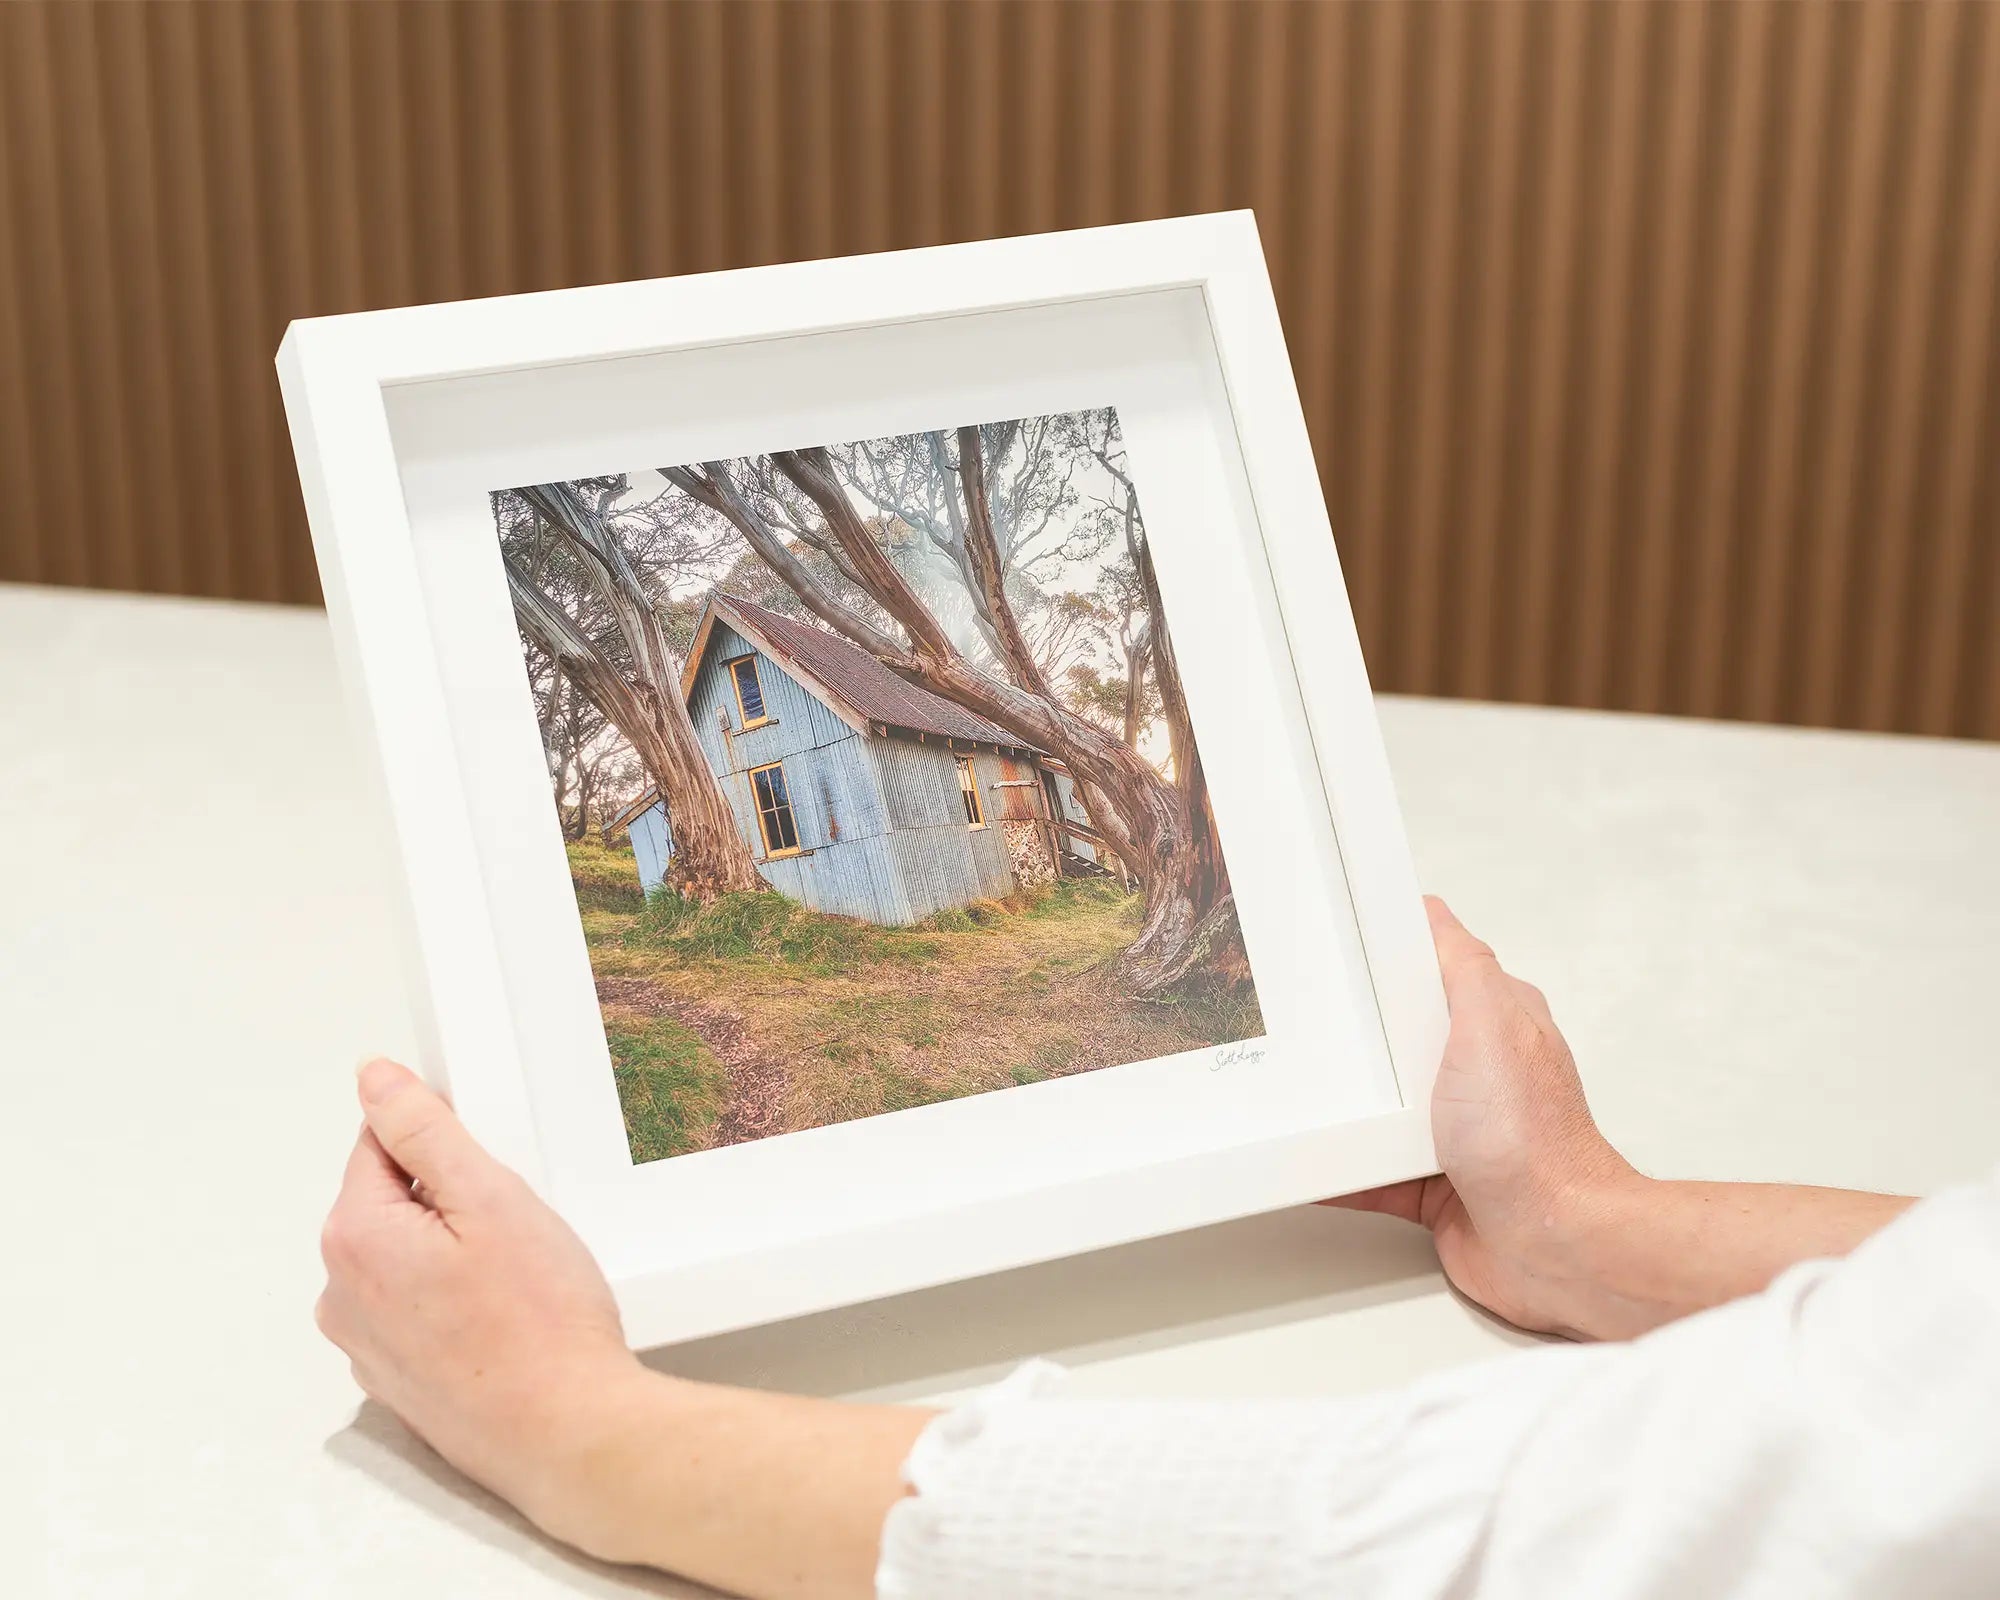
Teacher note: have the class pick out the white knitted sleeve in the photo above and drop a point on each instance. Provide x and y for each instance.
(1023, 1492)
(1832, 1437)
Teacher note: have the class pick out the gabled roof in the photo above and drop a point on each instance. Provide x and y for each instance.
(863, 692)
(635, 810)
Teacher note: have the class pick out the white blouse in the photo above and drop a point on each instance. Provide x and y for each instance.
(1837, 1435)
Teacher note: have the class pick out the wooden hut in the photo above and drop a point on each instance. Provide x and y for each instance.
(858, 793)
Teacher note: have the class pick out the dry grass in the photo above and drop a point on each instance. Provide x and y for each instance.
(858, 1020)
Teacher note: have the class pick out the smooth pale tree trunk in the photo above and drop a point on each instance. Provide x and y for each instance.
(1135, 695)
(586, 785)
(640, 697)
(1211, 875)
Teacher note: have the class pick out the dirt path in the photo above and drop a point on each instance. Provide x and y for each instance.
(757, 1083)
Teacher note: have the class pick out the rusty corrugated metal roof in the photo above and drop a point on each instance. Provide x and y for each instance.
(849, 675)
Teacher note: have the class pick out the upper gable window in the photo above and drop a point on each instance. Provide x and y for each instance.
(749, 690)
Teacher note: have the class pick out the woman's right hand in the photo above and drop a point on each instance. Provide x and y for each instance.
(1529, 1184)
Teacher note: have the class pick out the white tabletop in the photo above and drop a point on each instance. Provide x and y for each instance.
(1772, 951)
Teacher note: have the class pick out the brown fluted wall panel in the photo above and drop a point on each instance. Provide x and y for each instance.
(1650, 350)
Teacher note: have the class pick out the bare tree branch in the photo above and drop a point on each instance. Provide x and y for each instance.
(714, 488)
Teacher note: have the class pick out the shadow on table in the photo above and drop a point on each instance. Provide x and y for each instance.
(1208, 1283)
(376, 1443)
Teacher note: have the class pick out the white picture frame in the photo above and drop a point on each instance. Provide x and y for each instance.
(396, 416)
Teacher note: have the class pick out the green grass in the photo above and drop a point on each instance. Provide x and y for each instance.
(606, 880)
(670, 1087)
(1074, 897)
(766, 927)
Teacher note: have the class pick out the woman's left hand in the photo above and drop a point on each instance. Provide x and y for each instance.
(471, 1310)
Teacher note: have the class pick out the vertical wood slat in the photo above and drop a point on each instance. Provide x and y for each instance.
(1486, 353)
(1582, 644)
(1965, 410)
(1651, 351)
(1808, 125)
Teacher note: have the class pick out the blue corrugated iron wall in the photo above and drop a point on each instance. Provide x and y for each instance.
(651, 846)
(941, 862)
(880, 818)
(1073, 808)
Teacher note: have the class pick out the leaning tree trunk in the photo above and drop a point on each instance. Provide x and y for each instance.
(1145, 816)
(1166, 826)
(642, 699)
(1158, 821)
(1211, 872)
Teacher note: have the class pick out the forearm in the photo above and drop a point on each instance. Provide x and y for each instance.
(773, 1496)
(1652, 1251)
(1719, 1453)
(759, 1494)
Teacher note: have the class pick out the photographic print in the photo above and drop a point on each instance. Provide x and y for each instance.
(876, 775)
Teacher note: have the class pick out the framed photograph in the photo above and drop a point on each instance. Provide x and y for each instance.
(880, 761)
